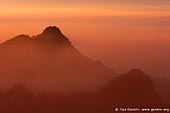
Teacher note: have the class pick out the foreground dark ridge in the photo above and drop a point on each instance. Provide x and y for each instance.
(133, 89)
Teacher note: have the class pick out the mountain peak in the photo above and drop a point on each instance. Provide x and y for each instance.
(53, 34)
(18, 90)
(53, 30)
(135, 71)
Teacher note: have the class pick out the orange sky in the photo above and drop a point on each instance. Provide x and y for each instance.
(34, 15)
(111, 26)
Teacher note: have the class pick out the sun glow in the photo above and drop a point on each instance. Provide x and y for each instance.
(32, 12)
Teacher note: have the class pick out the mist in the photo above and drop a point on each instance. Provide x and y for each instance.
(48, 63)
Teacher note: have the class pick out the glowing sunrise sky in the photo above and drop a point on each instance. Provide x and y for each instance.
(36, 13)
(121, 33)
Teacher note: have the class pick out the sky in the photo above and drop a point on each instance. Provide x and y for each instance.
(123, 34)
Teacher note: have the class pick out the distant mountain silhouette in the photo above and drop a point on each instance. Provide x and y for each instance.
(50, 62)
(133, 89)
(19, 90)
(19, 99)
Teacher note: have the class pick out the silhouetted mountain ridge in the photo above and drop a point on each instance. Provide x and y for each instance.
(50, 35)
(117, 93)
(49, 61)
(134, 88)
(54, 35)
(47, 74)
(19, 91)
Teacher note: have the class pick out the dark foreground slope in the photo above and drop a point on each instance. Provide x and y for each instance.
(49, 62)
(133, 90)
(162, 85)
